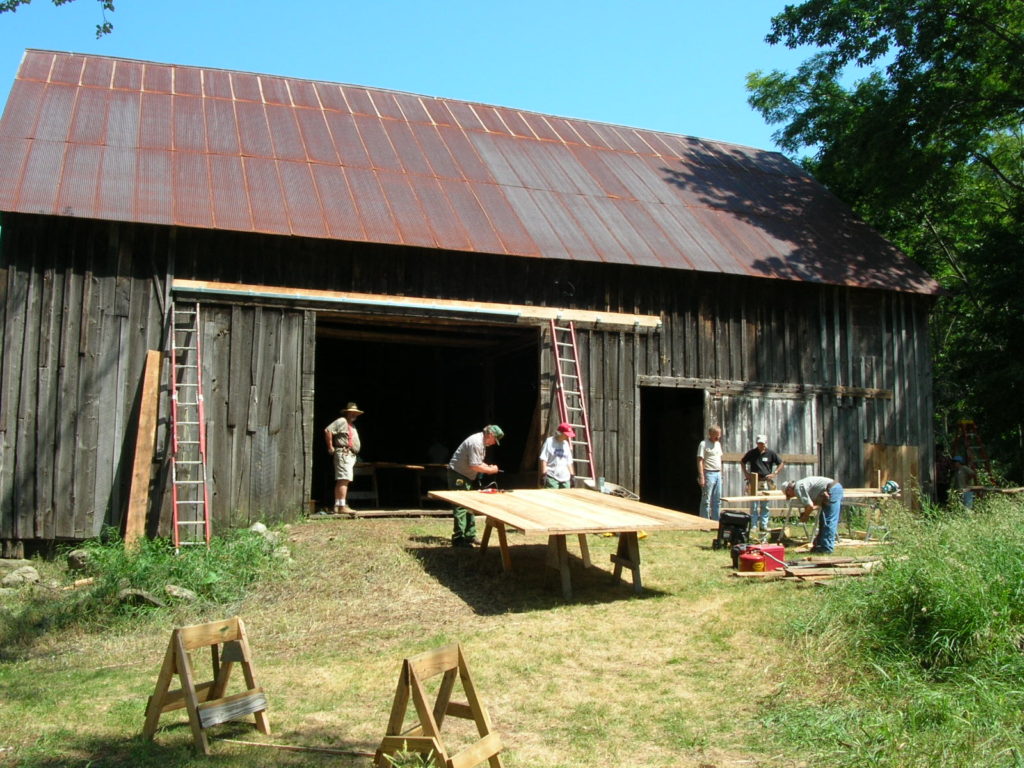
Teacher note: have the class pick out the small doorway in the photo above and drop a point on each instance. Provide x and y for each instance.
(671, 427)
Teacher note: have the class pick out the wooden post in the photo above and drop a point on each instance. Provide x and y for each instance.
(138, 499)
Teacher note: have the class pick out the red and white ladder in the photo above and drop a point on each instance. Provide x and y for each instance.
(189, 492)
(572, 402)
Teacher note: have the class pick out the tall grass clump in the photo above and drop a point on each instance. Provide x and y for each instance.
(937, 639)
(219, 575)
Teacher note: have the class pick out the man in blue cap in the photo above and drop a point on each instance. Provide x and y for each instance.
(465, 470)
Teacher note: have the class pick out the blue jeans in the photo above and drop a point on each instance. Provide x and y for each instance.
(759, 515)
(828, 521)
(711, 495)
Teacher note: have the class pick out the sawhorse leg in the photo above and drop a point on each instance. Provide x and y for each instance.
(506, 559)
(628, 556)
(558, 559)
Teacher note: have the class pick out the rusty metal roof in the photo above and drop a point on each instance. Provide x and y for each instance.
(105, 138)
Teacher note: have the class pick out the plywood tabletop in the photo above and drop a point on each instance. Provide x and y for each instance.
(570, 511)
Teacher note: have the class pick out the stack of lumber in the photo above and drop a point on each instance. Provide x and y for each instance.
(815, 569)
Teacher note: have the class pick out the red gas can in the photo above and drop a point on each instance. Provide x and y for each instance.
(752, 561)
(772, 555)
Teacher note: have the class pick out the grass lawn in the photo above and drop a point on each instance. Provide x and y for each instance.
(683, 675)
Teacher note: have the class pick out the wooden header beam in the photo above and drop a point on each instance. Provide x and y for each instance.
(355, 302)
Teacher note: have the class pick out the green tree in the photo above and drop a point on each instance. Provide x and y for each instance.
(101, 29)
(913, 112)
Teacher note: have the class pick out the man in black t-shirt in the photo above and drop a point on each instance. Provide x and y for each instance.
(762, 465)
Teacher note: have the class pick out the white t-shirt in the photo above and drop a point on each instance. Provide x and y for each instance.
(557, 454)
(711, 452)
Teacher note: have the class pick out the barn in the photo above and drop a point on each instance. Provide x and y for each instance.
(408, 253)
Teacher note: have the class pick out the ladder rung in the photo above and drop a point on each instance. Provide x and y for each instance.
(181, 503)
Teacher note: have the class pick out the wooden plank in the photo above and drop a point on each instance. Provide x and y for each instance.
(519, 312)
(138, 497)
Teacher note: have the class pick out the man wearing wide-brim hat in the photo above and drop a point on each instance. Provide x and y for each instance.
(343, 444)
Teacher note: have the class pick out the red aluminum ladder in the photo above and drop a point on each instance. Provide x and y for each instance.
(189, 492)
(572, 403)
(968, 444)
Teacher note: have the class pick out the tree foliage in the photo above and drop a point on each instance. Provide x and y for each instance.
(101, 29)
(913, 112)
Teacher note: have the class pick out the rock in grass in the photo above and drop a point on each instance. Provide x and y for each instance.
(26, 574)
(180, 593)
(78, 560)
(139, 597)
(6, 566)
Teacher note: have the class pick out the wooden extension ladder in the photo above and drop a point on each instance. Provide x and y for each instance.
(572, 402)
(189, 493)
(968, 444)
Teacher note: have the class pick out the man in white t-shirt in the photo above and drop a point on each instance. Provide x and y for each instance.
(709, 473)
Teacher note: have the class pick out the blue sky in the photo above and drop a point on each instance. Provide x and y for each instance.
(669, 65)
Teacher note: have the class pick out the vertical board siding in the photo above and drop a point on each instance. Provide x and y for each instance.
(82, 302)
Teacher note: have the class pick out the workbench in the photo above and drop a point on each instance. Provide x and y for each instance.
(852, 497)
(572, 511)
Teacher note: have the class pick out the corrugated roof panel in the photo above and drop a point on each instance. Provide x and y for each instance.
(515, 123)
(560, 176)
(405, 207)
(303, 94)
(156, 126)
(284, 133)
(340, 212)
(656, 174)
(67, 69)
(157, 78)
(386, 106)
(265, 200)
(22, 110)
(78, 180)
(540, 127)
(347, 141)
(374, 212)
(679, 229)
(435, 151)
(439, 112)
(331, 97)
(611, 137)
(128, 75)
(657, 143)
(38, 192)
(567, 229)
(13, 153)
(490, 118)
(465, 116)
(217, 84)
(468, 164)
(188, 81)
(359, 101)
(189, 124)
(378, 145)
(494, 160)
(529, 212)
(610, 184)
(634, 142)
(97, 72)
(192, 204)
(643, 222)
(301, 199)
(115, 195)
(407, 148)
(275, 91)
(58, 106)
(228, 194)
(503, 221)
(639, 250)
(221, 127)
(253, 131)
(722, 226)
(445, 225)
(606, 244)
(316, 137)
(517, 157)
(36, 65)
(246, 87)
(123, 113)
(412, 108)
(474, 220)
(154, 201)
(587, 133)
(633, 172)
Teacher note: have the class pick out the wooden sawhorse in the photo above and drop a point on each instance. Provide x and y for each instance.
(425, 736)
(207, 703)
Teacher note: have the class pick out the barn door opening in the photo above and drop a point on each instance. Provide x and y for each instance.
(423, 387)
(671, 426)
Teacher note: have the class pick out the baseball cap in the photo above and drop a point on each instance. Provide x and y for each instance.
(761, 439)
(496, 431)
(566, 427)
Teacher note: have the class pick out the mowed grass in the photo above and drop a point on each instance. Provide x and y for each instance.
(700, 670)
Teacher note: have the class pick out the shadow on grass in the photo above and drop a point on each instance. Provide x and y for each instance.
(173, 748)
(479, 580)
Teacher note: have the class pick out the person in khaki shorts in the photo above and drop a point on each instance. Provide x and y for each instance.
(343, 444)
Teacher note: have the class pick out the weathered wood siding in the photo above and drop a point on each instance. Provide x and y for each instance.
(84, 300)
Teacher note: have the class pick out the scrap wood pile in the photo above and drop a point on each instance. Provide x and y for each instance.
(814, 569)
